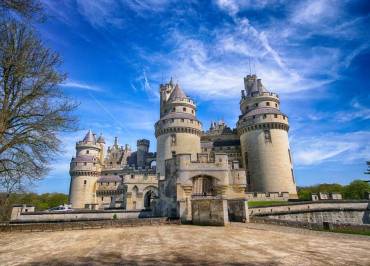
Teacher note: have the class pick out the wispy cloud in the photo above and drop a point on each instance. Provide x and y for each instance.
(82, 86)
(342, 148)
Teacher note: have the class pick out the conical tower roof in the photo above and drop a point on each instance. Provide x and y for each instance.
(177, 93)
(89, 137)
(101, 139)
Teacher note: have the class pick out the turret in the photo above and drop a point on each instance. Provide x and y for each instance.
(178, 130)
(142, 151)
(263, 131)
(84, 170)
(101, 143)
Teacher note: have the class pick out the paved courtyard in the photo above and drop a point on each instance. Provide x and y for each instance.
(238, 244)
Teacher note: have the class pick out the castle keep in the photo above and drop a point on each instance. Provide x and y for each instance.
(250, 161)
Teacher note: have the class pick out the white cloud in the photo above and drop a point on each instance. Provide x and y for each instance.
(342, 148)
(79, 85)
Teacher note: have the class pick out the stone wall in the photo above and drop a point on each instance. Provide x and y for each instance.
(342, 212)
(238, 210)
(80, 215)
(209, 211)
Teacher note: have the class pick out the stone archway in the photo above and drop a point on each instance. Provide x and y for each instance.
(203, 185)
(150, 194)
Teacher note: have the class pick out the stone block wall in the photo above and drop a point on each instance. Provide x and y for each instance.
(209, 212)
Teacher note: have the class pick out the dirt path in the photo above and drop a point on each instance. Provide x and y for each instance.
(185, 245)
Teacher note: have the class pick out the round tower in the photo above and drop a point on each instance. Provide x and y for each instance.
(178, 130)
(84, 170)
(263, 131)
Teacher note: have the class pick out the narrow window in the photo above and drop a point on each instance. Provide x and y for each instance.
(267, 135)
(85, 182)
(102, 198)
(293, 176)
(182, 120)
(275, 115)
(173, 109)
(173, 153)
(115, 183)
(290, 156)
(111, 199)
(256, 104)
(132, 176)
(184, 109)
(87, 152)
(276, 105)
(268, 104)
(192, 111)
(173, 139)
(85, 163)
(264, 116)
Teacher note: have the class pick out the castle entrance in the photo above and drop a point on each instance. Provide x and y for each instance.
(203, 186)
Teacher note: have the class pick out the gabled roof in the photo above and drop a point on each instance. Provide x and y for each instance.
(177, 93)
(89, 137)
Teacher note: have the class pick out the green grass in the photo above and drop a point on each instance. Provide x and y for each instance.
(351, 231)
(265, 203)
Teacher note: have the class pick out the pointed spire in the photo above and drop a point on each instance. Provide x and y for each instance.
(177, 93)
(89, 137)
(101, 139)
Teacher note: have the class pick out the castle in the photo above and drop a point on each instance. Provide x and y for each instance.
(253, 160)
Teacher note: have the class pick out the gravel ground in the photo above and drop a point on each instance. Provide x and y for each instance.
(238, 244)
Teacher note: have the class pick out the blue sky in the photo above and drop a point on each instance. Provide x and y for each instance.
(315, 54)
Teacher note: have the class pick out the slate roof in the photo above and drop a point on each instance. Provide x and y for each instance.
(179, 115)
(89, 137)
(84, 158)
(177, 93)
(109, 178)
(263, 110)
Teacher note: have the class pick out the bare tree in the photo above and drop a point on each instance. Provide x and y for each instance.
(29, 9)
(32, 107)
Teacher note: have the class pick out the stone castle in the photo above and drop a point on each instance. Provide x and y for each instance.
(252, 161)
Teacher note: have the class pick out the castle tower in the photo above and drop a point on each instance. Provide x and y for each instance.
(101, 143)
(263, 132)
(142, 151)
(84, 170)
(178, 130)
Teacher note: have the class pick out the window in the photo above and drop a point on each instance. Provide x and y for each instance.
(292, 175)
(108, 183)
(111, 199)
(192, 111)
(87, 152)
(247, 108)
(264, 116)
(275, 115)
(267, 103)
(173, 153)
(284, 117)
(276, 105)
(290, 156)
(132, 176)
(85, 163)
(182, 120)
(115, 183)
(184, 109)
(173, 140)
(85, 182)
(254, 117)
(267, 135)
(256, 104)
(102, 198)
(174, 109)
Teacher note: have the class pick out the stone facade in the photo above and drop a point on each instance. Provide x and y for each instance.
(120, 179)
(251, 161)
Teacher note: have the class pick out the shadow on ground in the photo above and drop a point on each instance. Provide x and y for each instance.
(115, 258)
